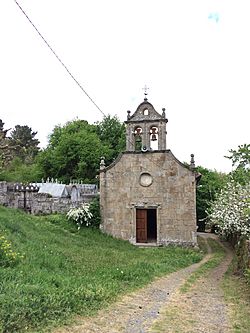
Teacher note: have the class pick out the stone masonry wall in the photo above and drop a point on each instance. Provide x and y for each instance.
(47, 205)
(38, 203)
(172, 193)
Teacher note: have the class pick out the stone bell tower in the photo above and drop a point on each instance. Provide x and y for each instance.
(146, 129)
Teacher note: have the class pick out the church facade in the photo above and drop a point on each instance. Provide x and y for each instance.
(147, 195)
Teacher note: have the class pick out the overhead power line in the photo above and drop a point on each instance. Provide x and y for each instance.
(57, 57)
(69, 72)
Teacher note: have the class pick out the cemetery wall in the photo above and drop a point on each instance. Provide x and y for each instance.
(39, 203)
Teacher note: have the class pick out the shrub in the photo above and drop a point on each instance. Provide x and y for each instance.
(81, 216)
(88, 215)
(230, 212)
(94, 209)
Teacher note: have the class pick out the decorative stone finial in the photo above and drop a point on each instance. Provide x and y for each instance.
(192, 162)
(163, 113)
(128, 115)
(102, 164)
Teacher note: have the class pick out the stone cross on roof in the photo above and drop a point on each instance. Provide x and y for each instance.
(145, 92)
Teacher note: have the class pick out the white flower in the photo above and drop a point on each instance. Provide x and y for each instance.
(231, 210)
(81, 215)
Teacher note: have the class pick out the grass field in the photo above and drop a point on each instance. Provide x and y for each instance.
(65, 272)
(237, 295)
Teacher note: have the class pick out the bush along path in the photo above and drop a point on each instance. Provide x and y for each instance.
(189, 300)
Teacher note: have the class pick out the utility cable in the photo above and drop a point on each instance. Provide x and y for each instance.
(57, 57)
(68, 71)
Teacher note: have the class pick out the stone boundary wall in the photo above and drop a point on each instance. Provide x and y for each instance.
(45, 205)
(39, 203)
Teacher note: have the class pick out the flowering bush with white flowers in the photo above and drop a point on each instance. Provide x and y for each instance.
(231, 211)
(81, 216)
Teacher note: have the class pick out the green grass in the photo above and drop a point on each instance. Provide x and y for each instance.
(66, 272)
(237, 296)
(217, 256)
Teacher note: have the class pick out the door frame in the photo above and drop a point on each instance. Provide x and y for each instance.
(156, 222)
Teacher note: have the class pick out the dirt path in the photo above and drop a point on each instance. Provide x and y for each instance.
(136, 312)
(201, 309)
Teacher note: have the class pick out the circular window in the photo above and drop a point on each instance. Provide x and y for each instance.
(146, 179)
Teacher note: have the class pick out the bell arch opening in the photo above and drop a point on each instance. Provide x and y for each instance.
(154, 138)
(138, 138)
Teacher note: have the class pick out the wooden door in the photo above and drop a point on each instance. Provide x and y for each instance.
(141, 225)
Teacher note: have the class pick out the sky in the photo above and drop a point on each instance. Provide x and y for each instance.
(193, 55)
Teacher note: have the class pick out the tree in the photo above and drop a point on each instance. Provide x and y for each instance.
(241, 156)
(25, 143)
(241, 162)
(231, 211)
(112, 133)
(74, 152)
(17, 153)
(17, 171)
(209, 186)
(6, 151)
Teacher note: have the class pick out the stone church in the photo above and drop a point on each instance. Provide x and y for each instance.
(147, 195)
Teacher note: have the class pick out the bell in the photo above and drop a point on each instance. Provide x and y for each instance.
(153, 137)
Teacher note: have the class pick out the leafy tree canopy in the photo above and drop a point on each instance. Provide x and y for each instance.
(25, 143)
(6, 151)
(209, 186)
(74, 152)
(17, 171)
(241, 161)
(17, 152)
(241, 156)
(231, 211)
(112, 133)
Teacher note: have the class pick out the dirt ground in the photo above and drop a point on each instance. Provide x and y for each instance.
(201, 309)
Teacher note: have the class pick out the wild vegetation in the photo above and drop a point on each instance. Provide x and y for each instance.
(237, 296)
(87, 215)
(50, 282)
(230, 212)
(64, 271)
(210, 184)
(73, 152)
(18, 153)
